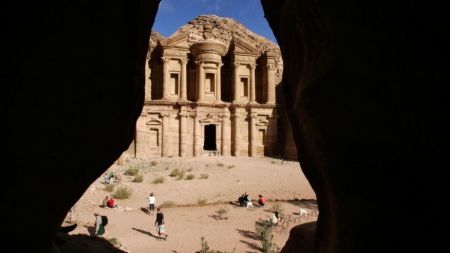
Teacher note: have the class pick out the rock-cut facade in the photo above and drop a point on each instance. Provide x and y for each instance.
(210, 90)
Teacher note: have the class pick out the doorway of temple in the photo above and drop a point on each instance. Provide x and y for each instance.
(210, 138)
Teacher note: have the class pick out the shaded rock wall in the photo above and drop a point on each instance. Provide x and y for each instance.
(75, 81)
(364, 84)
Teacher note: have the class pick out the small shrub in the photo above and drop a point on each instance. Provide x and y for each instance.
(168, 204)
(109, 187)
(189, 170)
(131, 171)
(204, 176)
(122, 193)
(264, 230)
(220, 164)
(222, 213)
(190, 177)
(205, 247)
(153, 163)
(277, 207)
(202, 201)
(181, 175)
(114, 241)
(230, 166)
(138, 179)
(175, 173)
(159, 180)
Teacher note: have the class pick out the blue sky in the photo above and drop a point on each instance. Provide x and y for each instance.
(174, 13)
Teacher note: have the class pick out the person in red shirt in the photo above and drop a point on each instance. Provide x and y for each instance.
(261, 201)
(111, 203)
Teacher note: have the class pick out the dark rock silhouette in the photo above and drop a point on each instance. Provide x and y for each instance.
(364, 85)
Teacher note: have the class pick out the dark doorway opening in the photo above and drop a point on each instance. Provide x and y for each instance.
(210, 138)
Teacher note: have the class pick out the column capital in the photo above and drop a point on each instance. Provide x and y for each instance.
(236, 64)
(165, 58)
(184, 61)
(235, 116)
(183, 114)
(271, 66)
(252, 65)
(223, 116)
(253, 115)
(165, 114)
(199, 62)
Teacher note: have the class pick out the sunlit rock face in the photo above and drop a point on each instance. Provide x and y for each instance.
(364, 84)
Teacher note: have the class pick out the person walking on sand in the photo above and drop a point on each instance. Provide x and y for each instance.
(151, 203)
(99, 225)
(160, 224)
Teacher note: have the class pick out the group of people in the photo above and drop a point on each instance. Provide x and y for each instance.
(245, 201)
(109, 177)
(102, 220)
(159, 222)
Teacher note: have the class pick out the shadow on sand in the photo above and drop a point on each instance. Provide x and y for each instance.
(90, 229)
(146, 211)
(248, 234)
(146, 233)
(252, 245)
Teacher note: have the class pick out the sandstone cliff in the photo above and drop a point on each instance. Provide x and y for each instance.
(224, 30)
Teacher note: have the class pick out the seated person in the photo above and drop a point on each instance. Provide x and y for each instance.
(111, 203)
(276, 218)
(261, 200)
(242, 200)
(248, 202)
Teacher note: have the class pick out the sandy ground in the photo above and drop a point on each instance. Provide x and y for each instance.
(196, 202)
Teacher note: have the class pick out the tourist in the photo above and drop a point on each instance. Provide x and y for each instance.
(105, 202)
(151, 203)
(248, 201)
(261, 200)
(100, 223)
(160, 224)
(242, 200)
(276, 218)
(111, 203)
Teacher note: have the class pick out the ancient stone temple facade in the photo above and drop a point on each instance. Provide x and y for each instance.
(209, 94)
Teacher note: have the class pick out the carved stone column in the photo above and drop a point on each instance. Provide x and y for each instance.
(271, 83)
(252, 134)
(148, 82)
(236, 83)
(165, 134)
(165, 77)
(219, 82)
(201, 81)
(252, 83)
(226, 134)
(197, 133)
(183, 118)
(183, 79)
(237, 136)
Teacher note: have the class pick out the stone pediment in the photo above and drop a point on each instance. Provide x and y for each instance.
(154, 122)
(177, 41)
(242, 48)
